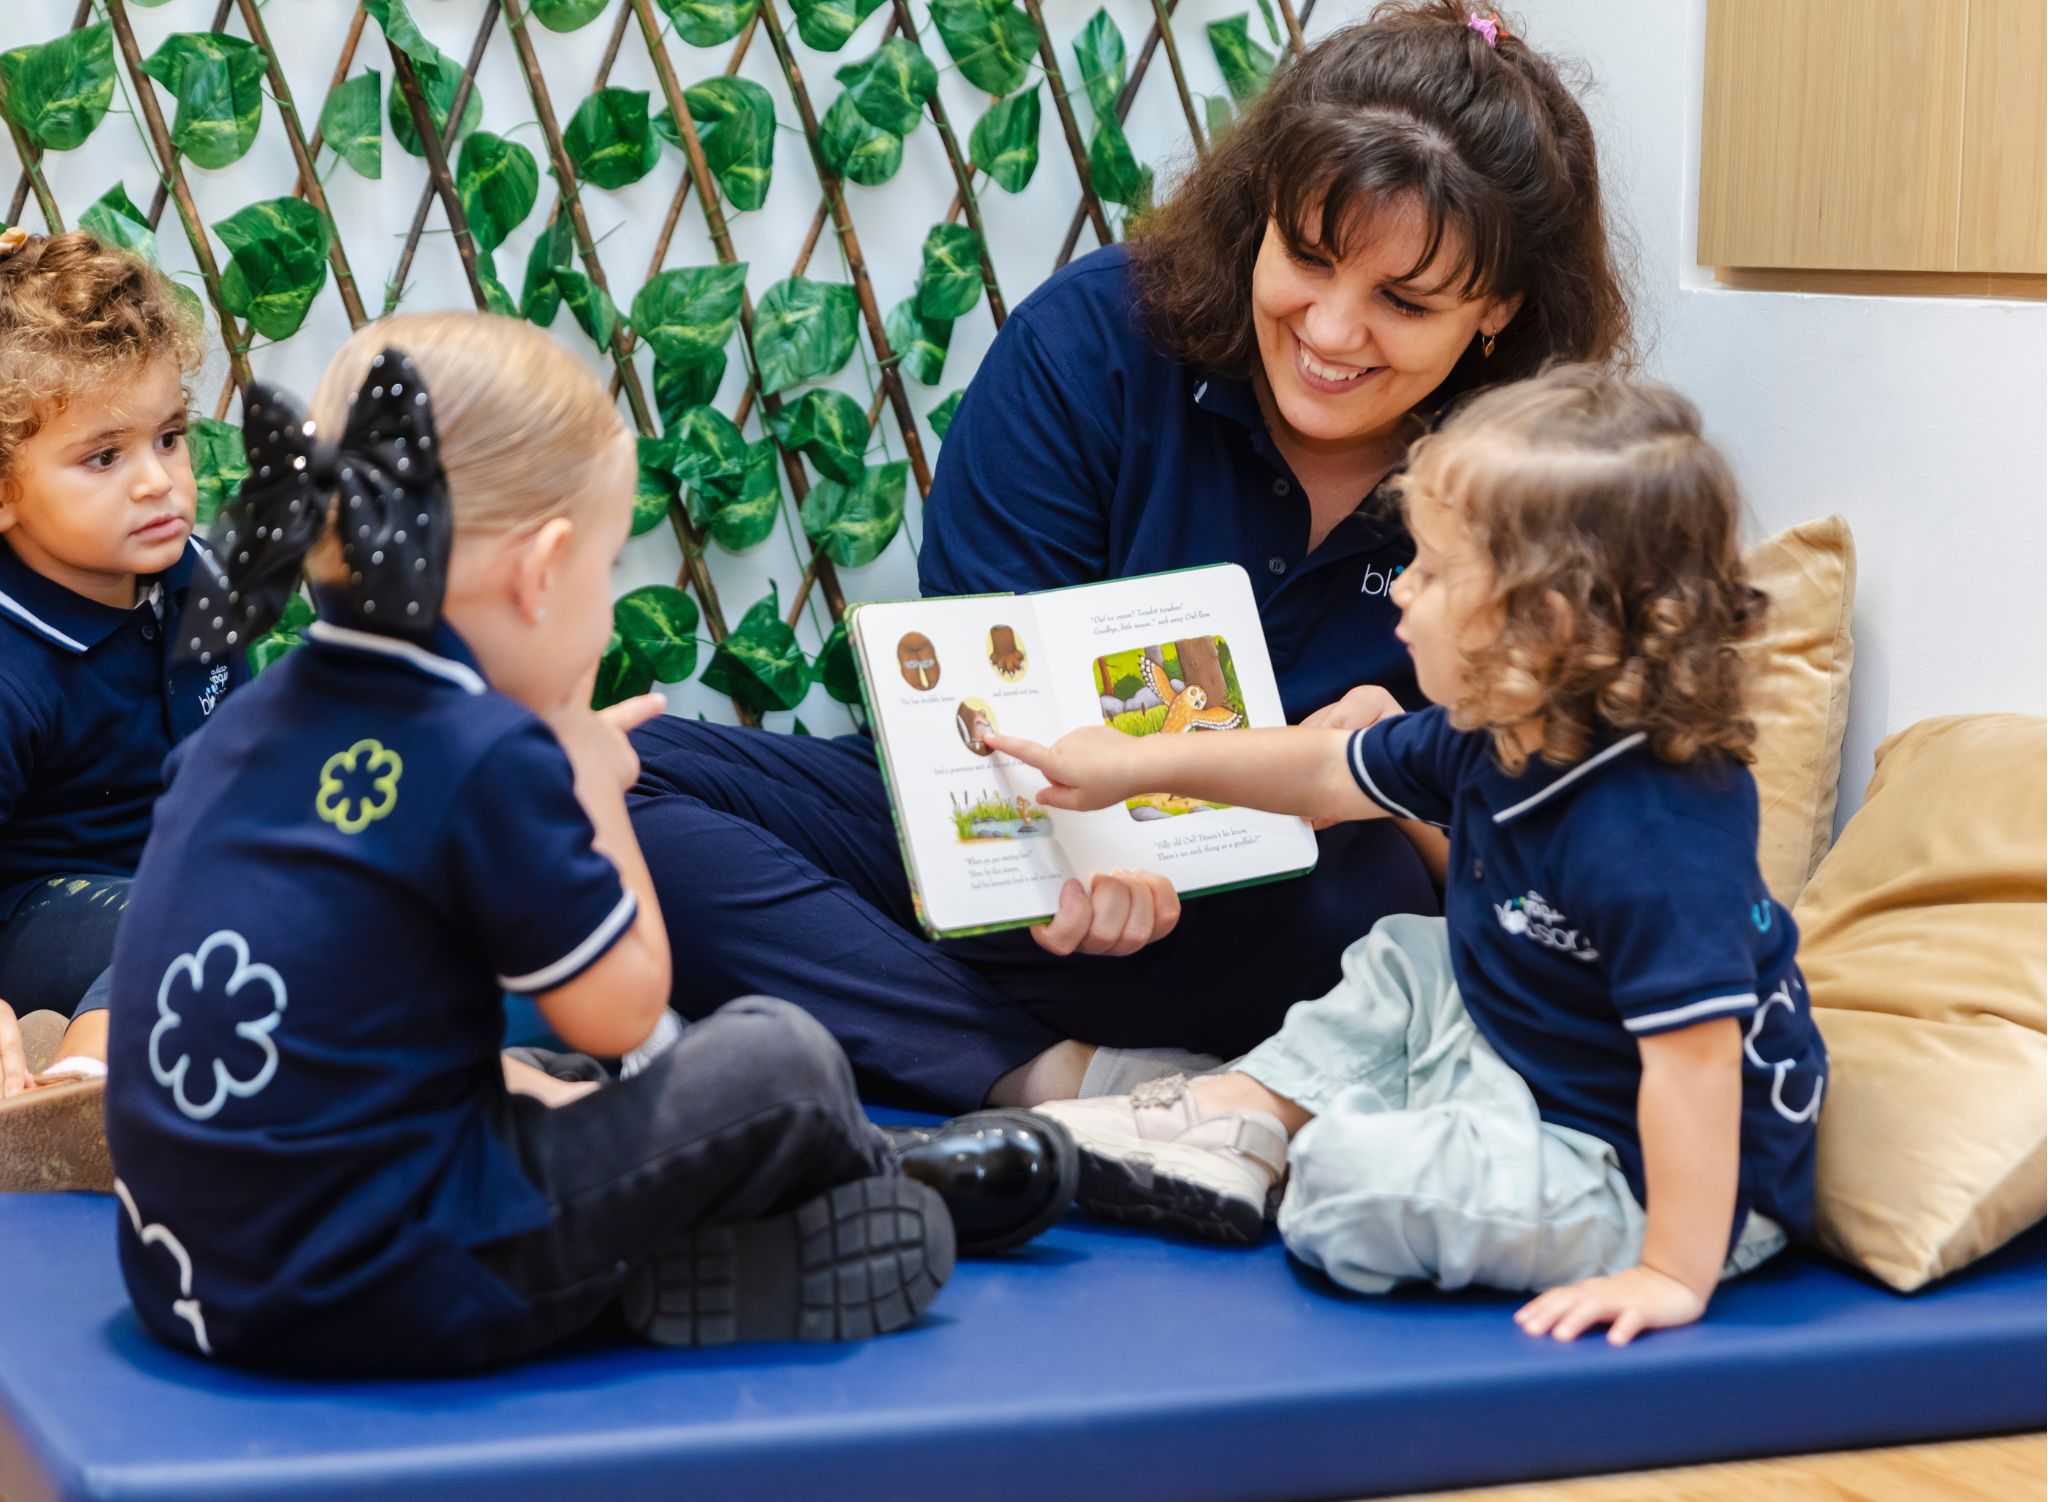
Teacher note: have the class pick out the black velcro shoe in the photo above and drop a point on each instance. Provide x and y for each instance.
(863, 1259)
(1005, 1175)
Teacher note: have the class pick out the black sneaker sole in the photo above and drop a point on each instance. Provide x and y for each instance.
(863, 1259)
(1133, 1194)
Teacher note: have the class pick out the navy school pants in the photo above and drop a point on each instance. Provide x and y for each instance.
(779, 873)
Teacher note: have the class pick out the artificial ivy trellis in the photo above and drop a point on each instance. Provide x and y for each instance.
(716, 488)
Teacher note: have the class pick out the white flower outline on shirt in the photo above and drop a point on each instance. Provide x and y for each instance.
(1780, 1068)
(185, 1306)
(258, 1032)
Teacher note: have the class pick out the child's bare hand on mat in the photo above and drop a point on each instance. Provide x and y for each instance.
(1627, 1303)
(1090, 768)
(14, 1077)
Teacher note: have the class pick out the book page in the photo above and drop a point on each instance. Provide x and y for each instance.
(936, 674)
(1170, 654)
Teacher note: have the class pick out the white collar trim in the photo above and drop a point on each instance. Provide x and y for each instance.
(465, 678)
(1626, 743)
(38, 625)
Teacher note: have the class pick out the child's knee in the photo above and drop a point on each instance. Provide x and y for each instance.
(781, 1045)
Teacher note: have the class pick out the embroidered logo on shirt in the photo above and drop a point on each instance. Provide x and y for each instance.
(350, 813)
(185, 1307)
(213, 1004)
(1530, 917)
(1379, 580)
(216, 685)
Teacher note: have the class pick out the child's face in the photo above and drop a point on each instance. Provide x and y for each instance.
(103, 491)
(1442, 597)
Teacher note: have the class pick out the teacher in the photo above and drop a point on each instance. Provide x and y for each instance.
(1411, 211)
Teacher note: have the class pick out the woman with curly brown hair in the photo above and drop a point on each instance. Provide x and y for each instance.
(1596, 1077)
(1411, 212)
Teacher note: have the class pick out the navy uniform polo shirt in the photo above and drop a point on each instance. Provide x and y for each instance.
(91, 702)
(1081, 452)
(1593, 905)
(364, 851)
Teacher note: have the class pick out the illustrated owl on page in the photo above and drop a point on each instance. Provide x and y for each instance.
(1187, 709)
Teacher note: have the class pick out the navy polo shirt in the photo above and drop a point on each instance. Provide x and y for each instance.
(1593, 905)
(1081, 452)
(91, 702)
(363, 852)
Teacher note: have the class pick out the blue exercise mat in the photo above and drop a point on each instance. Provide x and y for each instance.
(1097, 1363)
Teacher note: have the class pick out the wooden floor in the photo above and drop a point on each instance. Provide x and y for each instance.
(1981, 1470)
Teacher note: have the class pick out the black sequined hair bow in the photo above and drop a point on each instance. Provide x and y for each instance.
(389, 504)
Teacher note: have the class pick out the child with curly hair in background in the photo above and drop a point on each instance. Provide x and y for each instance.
(1596, 1076)
(97, 560)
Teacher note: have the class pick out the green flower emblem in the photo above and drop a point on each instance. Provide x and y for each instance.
(354, 815)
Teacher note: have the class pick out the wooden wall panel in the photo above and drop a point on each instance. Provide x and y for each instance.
(1832, 133)
(2005, 138)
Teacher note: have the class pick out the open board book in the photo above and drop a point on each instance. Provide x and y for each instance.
(1164, 654)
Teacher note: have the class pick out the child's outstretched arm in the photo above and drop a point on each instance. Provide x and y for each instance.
(1689, 1114)
(610, 1008)
(1287, 771)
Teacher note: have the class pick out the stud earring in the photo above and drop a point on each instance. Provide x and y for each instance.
(541, 614)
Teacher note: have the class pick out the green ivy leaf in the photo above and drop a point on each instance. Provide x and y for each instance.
(655, 490)
(706, 23)
(219, 465)
(1114, 170)
(620, 675)
(1099, 49)
(595, 313)
(740, 512)
(993, 41)
(949, 282)
(891, 88)
(439, 76)
(658, 625)
(941, 416)
(496, 298)
(289, 632)
(567, 15)
(218, 83)
(826, 24)
(705, 446)
(759, 662)
(919, 343)
(686, 315)
(1221, 114)
(854, 523)
(115, 219)
(1005, 141)
(835, 668)
(677, 388)
(279, 250)
(498, 181)
(1246, 65)
(539, 298)
(855, 149)
(610, 140)
(736, 117)
(803, 330)
(828, 426)
(1272, 26)
(58, 92)
(353, 124)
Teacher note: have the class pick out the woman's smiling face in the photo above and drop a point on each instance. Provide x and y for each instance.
(1350, 346)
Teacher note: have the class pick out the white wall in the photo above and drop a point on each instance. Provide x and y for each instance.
(1919, 419)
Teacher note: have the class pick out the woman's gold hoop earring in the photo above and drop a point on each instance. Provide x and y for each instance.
(1486, 346)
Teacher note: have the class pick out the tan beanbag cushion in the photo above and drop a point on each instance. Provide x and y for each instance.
(1922, 940)
(1799, 694)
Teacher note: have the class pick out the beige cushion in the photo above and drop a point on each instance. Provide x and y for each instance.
(1922, 940)
(1799, 694)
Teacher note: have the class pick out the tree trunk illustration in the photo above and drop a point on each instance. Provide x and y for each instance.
(1201, 668)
